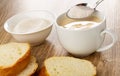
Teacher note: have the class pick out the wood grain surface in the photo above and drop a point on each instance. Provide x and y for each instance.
(107, 63)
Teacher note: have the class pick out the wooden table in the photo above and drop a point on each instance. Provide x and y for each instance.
(107, 63)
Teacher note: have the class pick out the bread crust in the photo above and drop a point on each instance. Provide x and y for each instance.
(32, 60)
(43, 72)
(34, 70)
(17, 67)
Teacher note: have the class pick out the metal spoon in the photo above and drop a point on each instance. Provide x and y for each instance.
(81, 10)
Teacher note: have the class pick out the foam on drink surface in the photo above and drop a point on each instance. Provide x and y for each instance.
(80, 25)
(31, 25)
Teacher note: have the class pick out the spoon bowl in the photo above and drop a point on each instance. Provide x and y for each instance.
(81, 10)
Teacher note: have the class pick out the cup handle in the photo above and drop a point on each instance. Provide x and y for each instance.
(114, 40)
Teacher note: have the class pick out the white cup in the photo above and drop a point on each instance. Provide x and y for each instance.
(84, 42)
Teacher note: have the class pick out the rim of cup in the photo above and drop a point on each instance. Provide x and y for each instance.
(97, 24)
(6, 25)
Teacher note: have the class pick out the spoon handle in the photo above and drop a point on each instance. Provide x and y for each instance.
(97, 3)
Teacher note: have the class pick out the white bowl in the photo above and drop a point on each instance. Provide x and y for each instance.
(33, 38)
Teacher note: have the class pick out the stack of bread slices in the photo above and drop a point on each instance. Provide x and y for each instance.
(16, 60)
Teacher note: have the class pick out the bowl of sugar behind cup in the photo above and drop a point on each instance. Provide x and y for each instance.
(32, 26)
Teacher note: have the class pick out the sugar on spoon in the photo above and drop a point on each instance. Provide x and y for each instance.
(81, 10)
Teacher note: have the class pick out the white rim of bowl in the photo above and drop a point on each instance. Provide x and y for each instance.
(49, 12)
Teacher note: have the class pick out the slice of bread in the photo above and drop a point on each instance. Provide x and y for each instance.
(30, 69)
(67, 66)
(14, 57)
